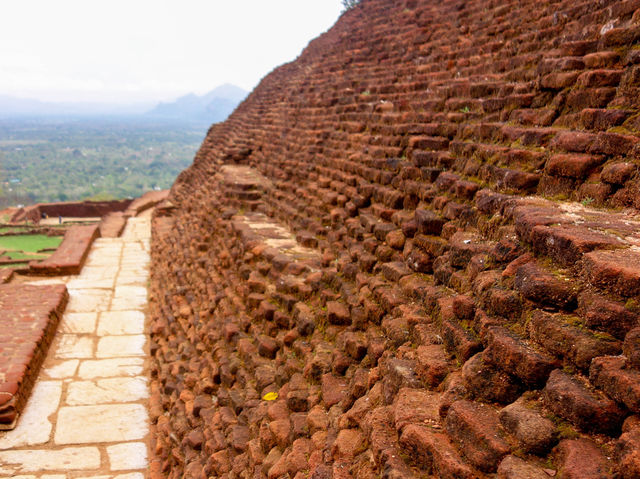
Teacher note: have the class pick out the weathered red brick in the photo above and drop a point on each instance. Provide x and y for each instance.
(338, 313)
(628, 452)
(513, 467)
(540, 286)
(610, 374)
(475, 428)
(485, 381)
(581, 459)
(567, 341)
(533, 432)
(432, 365)
(618, 270)
(572, 165)
(569, 399)
(433, 452)
(508, 352)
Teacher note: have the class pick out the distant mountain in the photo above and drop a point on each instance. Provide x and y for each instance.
(211, 107)
(21, 107)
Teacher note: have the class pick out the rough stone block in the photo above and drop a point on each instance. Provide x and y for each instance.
(434, 452)
(475, 429)
(533, 432)
(570, 399)
(513, 467)
(615, 270)
(416, 406)
(542, 287)
(610, 374)
(432, 365)
(486, 381)
(508, 352)
(581, 459)
(570, 342)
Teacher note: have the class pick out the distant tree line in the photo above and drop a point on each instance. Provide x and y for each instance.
(349, 4)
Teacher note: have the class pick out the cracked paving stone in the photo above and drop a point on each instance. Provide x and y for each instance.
(69, 458)
(73, 346)
(121, 322)
(106, 423)
(62, 369)
(78, 323)
(107, 391)
(103, 368)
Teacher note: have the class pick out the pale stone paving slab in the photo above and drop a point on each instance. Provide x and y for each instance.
(48, 460)
(87, 416)
(126, 303)
(133, 475)
(107, 391)
(124, 457)
(121, 346)
(64, 369)
(34, 426)
(106, 423)
(104, 283)
(103, 368)
(78, 323)
(74, 346)
(88, 300)
(114, 323)
(44, 476)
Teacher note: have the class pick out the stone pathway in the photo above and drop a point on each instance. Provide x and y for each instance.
(87, 415)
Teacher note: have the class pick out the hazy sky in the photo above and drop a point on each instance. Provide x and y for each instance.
(147, 50)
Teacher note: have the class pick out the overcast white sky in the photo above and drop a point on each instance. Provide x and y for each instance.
(147, 50)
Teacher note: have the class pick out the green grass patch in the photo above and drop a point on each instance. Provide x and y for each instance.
(29, 243)
(22, 255)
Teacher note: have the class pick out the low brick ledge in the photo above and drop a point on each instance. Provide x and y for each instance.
(29, 315)
(5, 275)
(112, 224)
(146, 201)
(70, 255)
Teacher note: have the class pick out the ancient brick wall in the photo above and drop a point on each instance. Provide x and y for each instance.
(415, 250)
(81, 209)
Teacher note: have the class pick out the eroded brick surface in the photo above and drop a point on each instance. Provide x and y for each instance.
(439, 198)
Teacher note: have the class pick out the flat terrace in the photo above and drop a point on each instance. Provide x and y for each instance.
(86, 415)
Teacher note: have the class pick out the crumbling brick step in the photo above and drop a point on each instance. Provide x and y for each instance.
(243, 177)
(70, 255)
(242, 186)
(261, 228)
(112, 224)
(146, 201)
(5, 275)
(29, 316)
